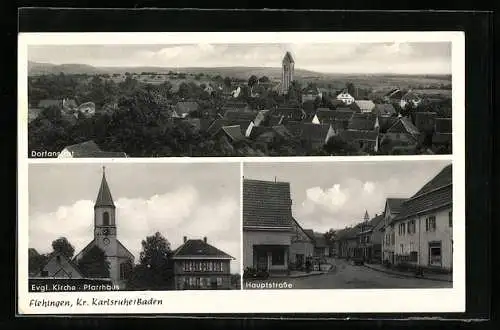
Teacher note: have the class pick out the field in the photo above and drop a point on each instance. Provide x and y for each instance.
(427, 85)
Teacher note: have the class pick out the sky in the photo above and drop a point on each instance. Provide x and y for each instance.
(175, 199)
(367, 58)
(334, 195)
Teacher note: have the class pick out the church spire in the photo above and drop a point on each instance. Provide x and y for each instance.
(104, 196)
(366, 218)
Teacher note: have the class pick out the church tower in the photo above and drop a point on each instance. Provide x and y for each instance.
(120, 259)
(288, 65)
(104, 217)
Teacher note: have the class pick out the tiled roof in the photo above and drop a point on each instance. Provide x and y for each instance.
(329, 116)
(239, 115)
(443, 125)
(281, 130)
(235, 105)
(376, 221)
(104, 195)
(365, 105)
(216, 125)
(314, 132)
(395, 204)
(186, 107)
(275, 120)
(434, 194)
(386, 122)
(355, 135)
(404, 125)
(290, 113)
(294, 127)
(309, 233)
(362, 123)
(266, 204)
(234, 132)
(384, 109)
(198, 248)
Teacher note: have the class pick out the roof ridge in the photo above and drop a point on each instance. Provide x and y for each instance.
(428, 192)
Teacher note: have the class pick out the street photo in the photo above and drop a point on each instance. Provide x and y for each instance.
(130, 227)
(348, 225)
(210, 98)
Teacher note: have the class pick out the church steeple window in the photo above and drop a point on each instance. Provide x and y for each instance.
(105, 219)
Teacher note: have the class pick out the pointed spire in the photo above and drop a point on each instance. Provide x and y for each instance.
(104, 196)
(366, 217)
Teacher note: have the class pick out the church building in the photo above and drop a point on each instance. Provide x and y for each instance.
(105, 236)
(287, 72)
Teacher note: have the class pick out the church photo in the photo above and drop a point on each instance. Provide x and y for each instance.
(134, 226)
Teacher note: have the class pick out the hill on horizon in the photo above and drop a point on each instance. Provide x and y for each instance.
(241, 72)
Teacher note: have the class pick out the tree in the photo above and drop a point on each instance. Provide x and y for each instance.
(252, 81)
(62, 245)
(93, 264)
(36, 262)
(227, 82)
(264, 79)
(351, 89)
(155, 269)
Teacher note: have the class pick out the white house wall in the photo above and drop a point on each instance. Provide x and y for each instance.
(251, 238)
(419, 241)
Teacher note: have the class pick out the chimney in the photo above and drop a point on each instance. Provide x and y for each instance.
(205, 239)
(185, 239)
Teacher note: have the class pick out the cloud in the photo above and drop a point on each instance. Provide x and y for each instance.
(178, 213)
(344, 203)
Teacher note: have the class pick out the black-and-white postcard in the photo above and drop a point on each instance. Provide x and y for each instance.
(241, 172)
(216, 97)
(344, 225)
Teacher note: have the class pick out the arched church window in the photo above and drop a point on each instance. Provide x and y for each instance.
(105, 219)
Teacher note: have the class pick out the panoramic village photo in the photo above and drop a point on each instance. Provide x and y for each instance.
(348, 225)
(216, 99)
(106, 227)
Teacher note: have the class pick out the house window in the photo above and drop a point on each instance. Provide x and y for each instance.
(402, 248)
(413, 256)
(435, 253)
(412, 227)
(367, 239)
(393, 238)
(450, 219)
(219, 281)
(105, 219)
(430, 223)
(402, 229)
(58, 259)
(278, 257)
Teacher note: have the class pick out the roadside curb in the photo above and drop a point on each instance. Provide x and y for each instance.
(407, 275)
